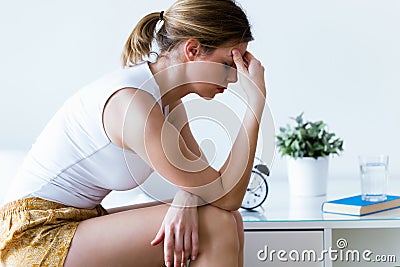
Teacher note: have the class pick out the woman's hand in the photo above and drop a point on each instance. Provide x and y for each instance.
(179, 230)
(251, 75)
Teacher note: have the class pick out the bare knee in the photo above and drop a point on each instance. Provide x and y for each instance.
(240, 227)
(219, 227)
(218, 217)
(239, 220)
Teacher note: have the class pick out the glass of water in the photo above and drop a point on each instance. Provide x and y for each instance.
(374, 177)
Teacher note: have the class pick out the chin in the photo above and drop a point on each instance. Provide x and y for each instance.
(208, 96)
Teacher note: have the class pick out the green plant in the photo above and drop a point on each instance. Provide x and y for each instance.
(307, 139)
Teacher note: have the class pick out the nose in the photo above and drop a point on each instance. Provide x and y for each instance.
(231, 76)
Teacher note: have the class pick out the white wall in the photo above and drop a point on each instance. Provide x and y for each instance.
(336, 60)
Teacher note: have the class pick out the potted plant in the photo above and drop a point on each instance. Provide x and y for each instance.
(308, 146)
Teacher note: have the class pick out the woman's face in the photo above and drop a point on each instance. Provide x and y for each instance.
(215, 71)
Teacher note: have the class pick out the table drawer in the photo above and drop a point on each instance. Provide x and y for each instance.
(283, 248)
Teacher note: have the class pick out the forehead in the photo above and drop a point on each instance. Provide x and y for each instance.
(226, 51)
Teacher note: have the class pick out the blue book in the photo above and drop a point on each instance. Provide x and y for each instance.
(354, 205)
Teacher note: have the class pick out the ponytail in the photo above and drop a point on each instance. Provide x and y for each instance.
(187, 19)
(138, 46)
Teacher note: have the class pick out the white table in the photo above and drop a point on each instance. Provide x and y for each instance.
(296, 226)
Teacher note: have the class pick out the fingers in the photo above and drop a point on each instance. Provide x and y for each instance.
(253, 62)
(178, 244)
(249, 56)
(178, 252)
(195, 245)
(244, 62)
(169, 245)
(252, 75)
(238, 59)
(159, 237)
(180, 233)
(186, 246)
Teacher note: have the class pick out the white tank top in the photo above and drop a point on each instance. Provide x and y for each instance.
(73, 162)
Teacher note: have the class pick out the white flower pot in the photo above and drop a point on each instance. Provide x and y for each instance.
(308, 176)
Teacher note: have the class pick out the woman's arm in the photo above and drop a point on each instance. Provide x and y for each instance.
(243, 150)
(145, 131)
(178, 118)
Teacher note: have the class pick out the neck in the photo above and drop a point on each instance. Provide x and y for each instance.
(168, 75)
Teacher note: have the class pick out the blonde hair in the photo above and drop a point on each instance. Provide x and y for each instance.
(212, 22)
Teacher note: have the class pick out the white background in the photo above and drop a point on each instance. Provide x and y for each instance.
(338, 61)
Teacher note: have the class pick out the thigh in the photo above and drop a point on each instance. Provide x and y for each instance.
(119, 239)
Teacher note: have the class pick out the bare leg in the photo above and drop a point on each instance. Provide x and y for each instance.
(123, 239)
(219, 242)
(240, 230)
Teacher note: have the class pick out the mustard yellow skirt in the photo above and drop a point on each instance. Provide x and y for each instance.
(37, 232)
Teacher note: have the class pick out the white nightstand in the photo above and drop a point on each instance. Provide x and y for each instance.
(293, 231)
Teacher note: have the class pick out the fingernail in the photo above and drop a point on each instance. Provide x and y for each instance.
(193, 258)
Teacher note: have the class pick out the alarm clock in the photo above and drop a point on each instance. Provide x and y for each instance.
(257, 189)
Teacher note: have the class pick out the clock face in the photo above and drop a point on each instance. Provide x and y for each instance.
(256, 192)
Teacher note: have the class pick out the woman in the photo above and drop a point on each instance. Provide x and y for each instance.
(113, 133)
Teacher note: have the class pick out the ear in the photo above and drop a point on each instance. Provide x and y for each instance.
(192, 49)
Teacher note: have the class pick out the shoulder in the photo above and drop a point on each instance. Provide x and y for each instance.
(132, 98)
(128, 112)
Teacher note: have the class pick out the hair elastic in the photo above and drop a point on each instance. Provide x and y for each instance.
(162, 15)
